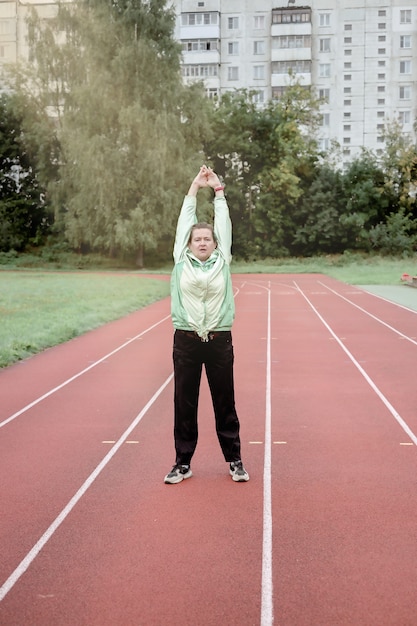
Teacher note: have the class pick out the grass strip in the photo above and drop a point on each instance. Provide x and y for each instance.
(40, 309)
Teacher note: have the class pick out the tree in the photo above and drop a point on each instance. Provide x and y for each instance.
(24, 216)
(399, 163)
(109, 75)
(268, 156)
(320, 228)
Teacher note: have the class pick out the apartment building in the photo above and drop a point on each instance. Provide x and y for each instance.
(360, 55)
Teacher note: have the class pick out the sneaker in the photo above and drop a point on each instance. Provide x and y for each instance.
(238, 472)
(177, 474)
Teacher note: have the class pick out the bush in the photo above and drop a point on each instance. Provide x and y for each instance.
(396, 236)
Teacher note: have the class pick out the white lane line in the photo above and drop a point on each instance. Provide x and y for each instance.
(267, 609)
(368, 379)
(32, 554)
(401, 306)
(377, 319)
(84, 371)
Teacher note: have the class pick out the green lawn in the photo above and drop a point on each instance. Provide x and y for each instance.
(39, 309)
(354, 269)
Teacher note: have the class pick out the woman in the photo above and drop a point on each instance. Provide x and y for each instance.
(202, 309)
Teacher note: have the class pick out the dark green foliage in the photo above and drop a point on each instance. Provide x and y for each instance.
(124, 122)
(23, 212)
(397, 236)
(123, 137)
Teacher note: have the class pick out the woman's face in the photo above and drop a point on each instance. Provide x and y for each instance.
(202, 243)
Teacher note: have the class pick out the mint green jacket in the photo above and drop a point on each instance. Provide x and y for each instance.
(201, 293)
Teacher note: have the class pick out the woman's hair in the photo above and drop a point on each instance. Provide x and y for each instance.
(202, 225)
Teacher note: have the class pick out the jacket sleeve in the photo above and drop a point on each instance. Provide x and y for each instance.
(186, 219)
(223, 228)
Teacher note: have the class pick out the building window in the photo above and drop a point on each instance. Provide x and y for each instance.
(291, 41)
(381, 76)
(347, 127)
(382, 38)
(347, 90)
(380, 114)
(258, 72)
(381, 63)
(199, 19)
(324, 143)
(233, 48)
(405, 67)
(212, 93)
(258, 97)
(348, 26)
(381, 102)
(288, 16)
(348, 76)
(4, 27)
(347, 103)
(380, 127)
(382, 13)
(381, 51)
(324, 19)
(325, 45)
(232, 73)
(348, 65)
(232, 23)
(348, 52)
(259, 47)
(278, 92)
(380, 139)
(347, 115)
(325, 119)
(259, 22)
(324, 94)
(346, 140)
(382, 26)
(381, 88)
(405, 92)
(199, 45)
(296, 67)
(404, 117)
(405, 16)
(324, 70)
(199, 71)
(405, 41)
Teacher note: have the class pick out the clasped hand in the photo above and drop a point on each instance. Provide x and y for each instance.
(207, 178)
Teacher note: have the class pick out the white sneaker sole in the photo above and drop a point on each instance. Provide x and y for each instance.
(177, 479)
(239, 479)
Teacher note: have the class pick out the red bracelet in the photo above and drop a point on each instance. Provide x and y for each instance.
(219, 188)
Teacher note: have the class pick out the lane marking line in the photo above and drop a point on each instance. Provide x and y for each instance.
(368, 379)
(32, 554)
(84, 371)
(267, 612)
(401, 306)
(373, 316)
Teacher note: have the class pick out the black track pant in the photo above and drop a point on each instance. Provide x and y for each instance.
(189, 354)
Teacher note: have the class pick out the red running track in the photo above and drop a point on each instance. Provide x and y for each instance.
(324, 534)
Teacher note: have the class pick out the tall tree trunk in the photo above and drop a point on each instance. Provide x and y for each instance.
(139, 256)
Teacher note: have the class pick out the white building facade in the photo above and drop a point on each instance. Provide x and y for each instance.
(361, 56)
